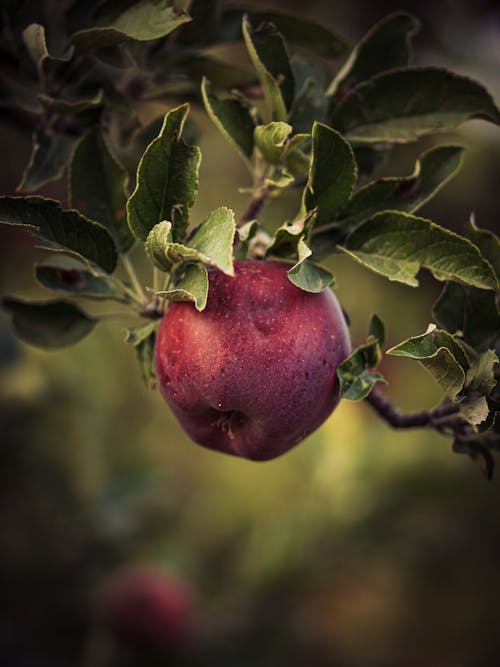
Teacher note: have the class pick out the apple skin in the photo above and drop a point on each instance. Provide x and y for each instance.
(147, 609)
(254, 373)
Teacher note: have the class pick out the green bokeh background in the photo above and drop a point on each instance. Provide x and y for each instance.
(362, 547)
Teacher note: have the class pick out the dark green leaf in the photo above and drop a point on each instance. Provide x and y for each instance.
(214, 237)
(402, 105)
(332, 174)
(370, 156)
(309, 276)
(98, 185)
(308, 107)
(36, 45)
(432, 171)
(397, 244)
(385, 46)
(377, 329)
(356, 374)
(137, 334)
(232, 118)
(481, 375)
(71, 106)
(48, 324)
(298, 30)
(145, 351)
(167, 180)
(441, 355)
(246, 233)
(287, 237)
(487, 242)
(50, 156)
(270, 58)
(142, 21)
(469, 312)
(59, 230)
(190, 285)
(63, 274)
(271, 140)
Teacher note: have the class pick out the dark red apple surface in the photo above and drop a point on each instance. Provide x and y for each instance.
(255, 372)
(147, 609)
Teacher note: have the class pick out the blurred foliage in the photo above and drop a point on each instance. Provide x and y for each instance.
(360, 548)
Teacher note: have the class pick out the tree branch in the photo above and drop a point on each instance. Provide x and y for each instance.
(254, 206)
(426, 418)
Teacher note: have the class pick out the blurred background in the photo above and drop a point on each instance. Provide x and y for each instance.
(362, 547)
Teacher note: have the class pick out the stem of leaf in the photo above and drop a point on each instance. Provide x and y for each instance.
(156, 279)
(129, 267)
(117, 315)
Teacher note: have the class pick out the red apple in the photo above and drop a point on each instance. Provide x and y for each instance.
(255, 372)
(148, 609)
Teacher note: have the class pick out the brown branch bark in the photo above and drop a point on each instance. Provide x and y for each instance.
(254, 206)
(426, 418)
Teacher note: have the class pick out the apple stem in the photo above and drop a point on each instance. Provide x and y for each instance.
(436, 418)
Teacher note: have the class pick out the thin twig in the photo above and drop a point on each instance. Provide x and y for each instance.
(254, 206)
(426, 418)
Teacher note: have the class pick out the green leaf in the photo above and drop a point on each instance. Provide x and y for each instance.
(309, 276)
(487, 242)
(404, 104)
(49, 158)
(310, 103)
(157, 242)
(36, 45)
(296, 29)
(137, 334)
(64, 274)
(269, 55)
(48, 324)
(167, 180)
(331, 175)
(271, 140)
(397, 244)
(356, 374)
(233, 119)
(287, 237)
(190, 285)
(142, 21)
(309, 107)
(145, 351)
(432, 171)
(385, 46)
(441, 355)
(98, 185)
(370, 157)
(376, 329)
(246, 233)
(468, 312)
(59, 230)
(481, 375)
(71, 106)
(214, 238)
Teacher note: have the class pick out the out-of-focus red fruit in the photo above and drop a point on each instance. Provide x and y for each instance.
(255, 372)
(148, 609)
